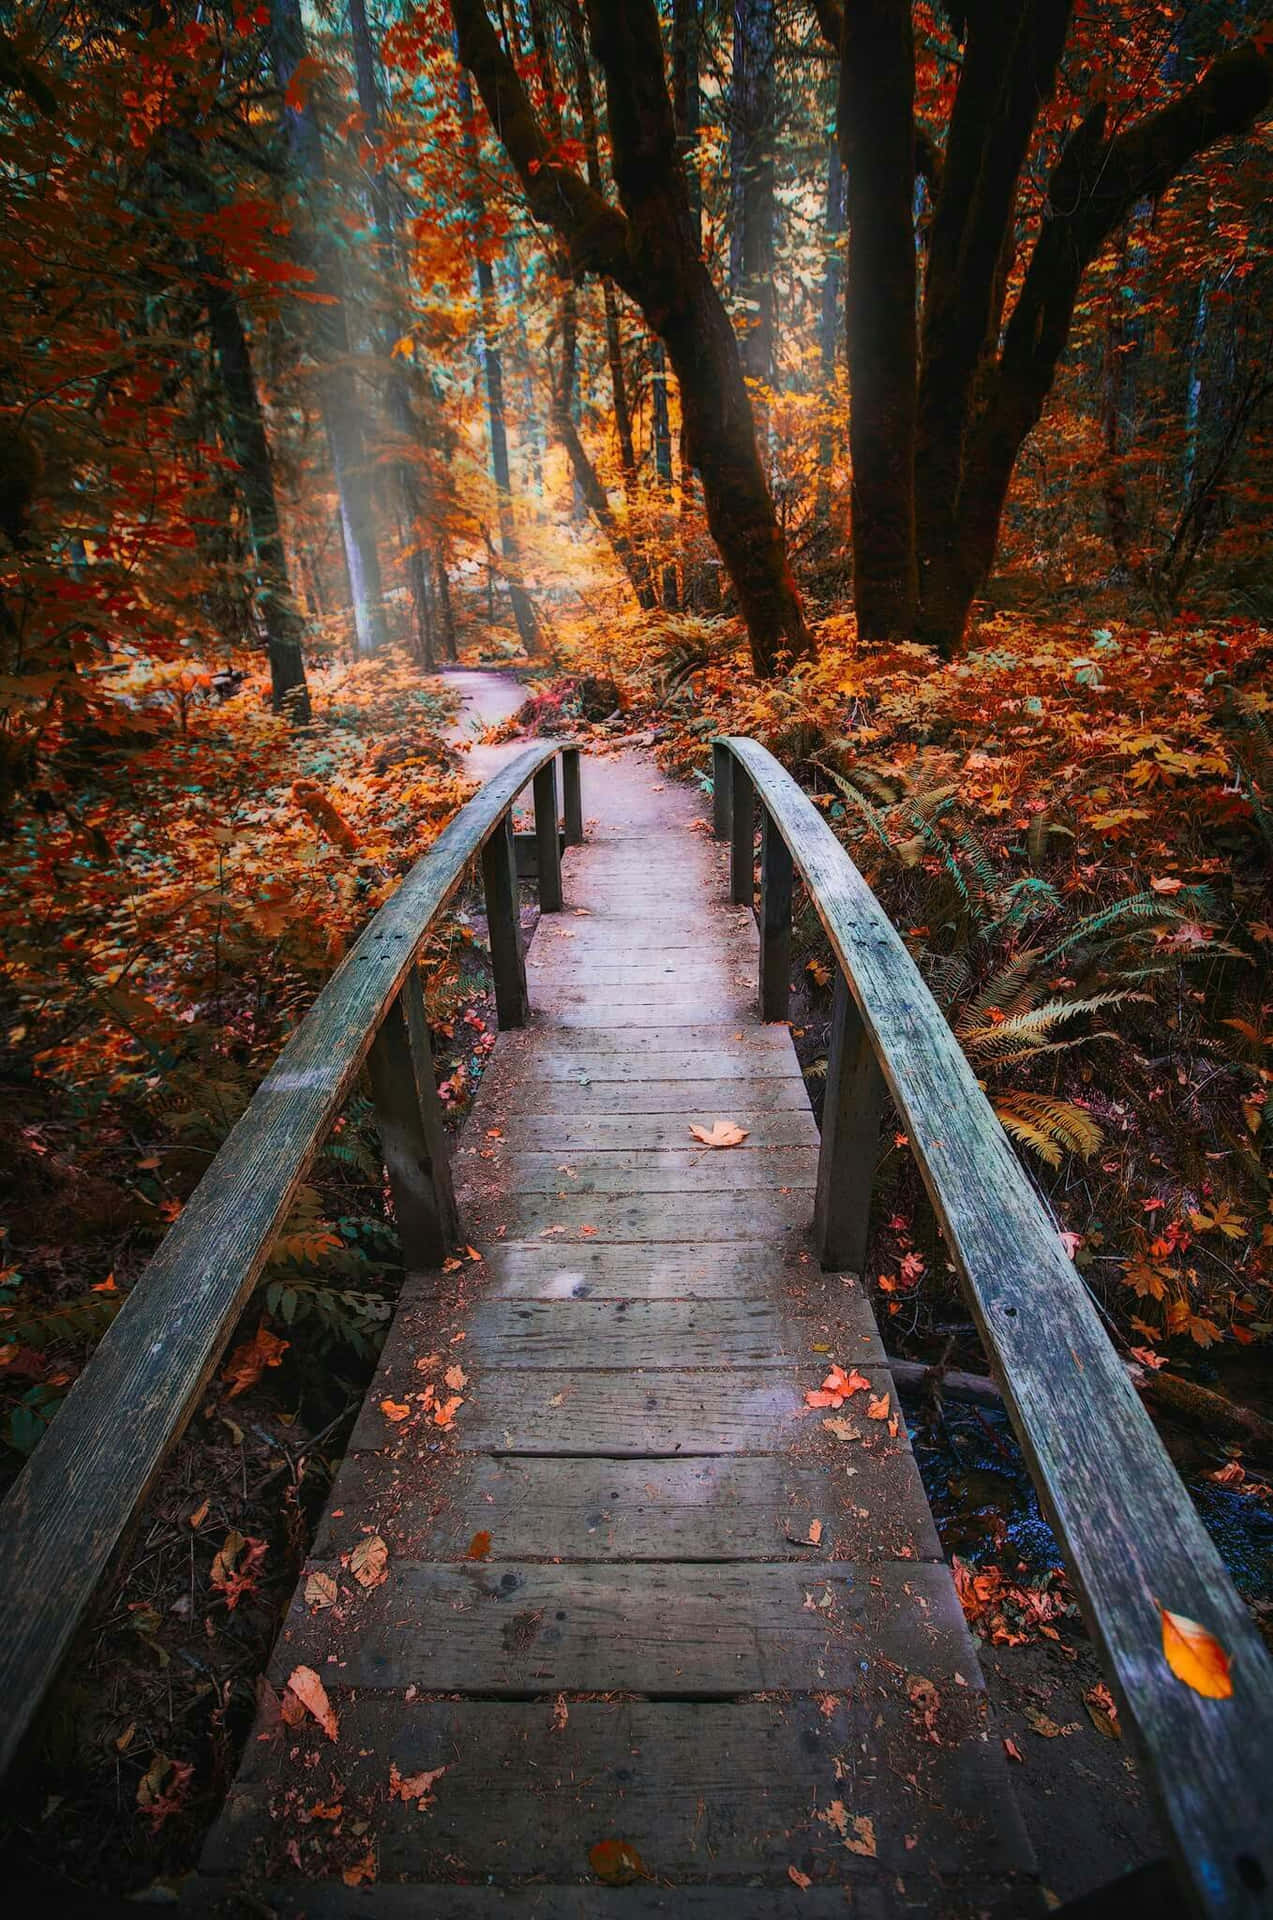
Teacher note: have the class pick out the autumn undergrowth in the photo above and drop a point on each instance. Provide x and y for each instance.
(169, 907)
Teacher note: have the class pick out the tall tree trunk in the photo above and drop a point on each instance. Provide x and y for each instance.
(493, 370)
(661, 435)
(753, 209)
(342, 411)
(1009, 63)
(651, 250)
(610, 300)
(397, 382)
(1114, 480)
(829, 330)
(686, 100)
(875, 121)
(245, 432)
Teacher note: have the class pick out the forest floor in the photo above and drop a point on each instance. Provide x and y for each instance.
(144, 1738)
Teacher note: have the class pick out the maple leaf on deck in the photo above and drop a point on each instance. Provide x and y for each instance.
(724, 1133)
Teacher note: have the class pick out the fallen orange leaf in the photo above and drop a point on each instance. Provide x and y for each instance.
(479, 1546)
(877, 1409)
(304, 1684)
(615, 1862)
(455, 1378)
(725, 1133)
(248, 1362)
(394, 1409)
(414, 1786)
(1195, 1656)
(801, 1880)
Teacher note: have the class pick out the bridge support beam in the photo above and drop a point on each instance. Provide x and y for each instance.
(775, 922)
(742, 846)
(850, 1139)
(547, 844)
(503, 921)
(572, 796)
(412, 1133)
(722, 774)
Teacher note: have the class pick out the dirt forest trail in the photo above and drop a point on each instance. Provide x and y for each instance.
(598, 1596)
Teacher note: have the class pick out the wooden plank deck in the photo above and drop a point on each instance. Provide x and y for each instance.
(707, 1621)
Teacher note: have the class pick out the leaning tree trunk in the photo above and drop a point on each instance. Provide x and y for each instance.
(651, 250)
(245, 432)
(342, 412)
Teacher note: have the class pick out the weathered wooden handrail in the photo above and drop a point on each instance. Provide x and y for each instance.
(64, 1516)
(1131, 1536)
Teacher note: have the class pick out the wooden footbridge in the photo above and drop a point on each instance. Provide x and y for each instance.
(606, 1616)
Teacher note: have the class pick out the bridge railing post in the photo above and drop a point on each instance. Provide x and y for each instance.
(547, 841)
(850, 1139)
(503, 921)
(742, 840)
(412, 1133)
(572, 796)
(775, 920)
(722, 773)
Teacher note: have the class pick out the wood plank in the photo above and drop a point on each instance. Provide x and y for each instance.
(698, 1789)
(64, 1515)
(611, 1334)
(633, 1170)
(562, 1133)
(735, 1507)
(964, 1898)
(690, 1098)
(634, 1063)
(661, 1411)
(636, 1216)
(543, 1042)
(544, 1270)
(670, 1010)
(506, 1630)
(1132, 1538)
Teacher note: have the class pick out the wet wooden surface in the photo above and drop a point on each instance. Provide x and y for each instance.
(634, 1589)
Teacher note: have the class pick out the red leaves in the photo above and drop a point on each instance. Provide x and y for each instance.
(836, 1388)
(235, 1566)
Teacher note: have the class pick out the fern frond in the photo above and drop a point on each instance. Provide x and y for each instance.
(1038, 1022)
(1009, 990)
(1139, 908)
(1047, 1126)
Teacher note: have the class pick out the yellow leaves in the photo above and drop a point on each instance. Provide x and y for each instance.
(403, 349)
(320, 1591)
(307, 1691)
(1195, 1656)
(724, 1133)
(1219, 1219)
(369, 1562)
